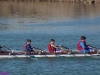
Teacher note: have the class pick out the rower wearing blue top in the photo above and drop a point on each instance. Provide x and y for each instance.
(27, 46)
(81, 45)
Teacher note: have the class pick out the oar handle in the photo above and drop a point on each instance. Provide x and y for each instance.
(40, 51)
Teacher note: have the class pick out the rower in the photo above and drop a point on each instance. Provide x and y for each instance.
(52, 48)
(27, 46)
(81, 45)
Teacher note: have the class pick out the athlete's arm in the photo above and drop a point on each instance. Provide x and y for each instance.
(53, 46)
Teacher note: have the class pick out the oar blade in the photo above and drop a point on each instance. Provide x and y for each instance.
(33, 57)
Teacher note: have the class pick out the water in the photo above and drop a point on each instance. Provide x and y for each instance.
(41, 21)
(51, 66)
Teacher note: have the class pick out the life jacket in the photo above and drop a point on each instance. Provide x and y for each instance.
(25, 47)
(80, 47)
(51, 49)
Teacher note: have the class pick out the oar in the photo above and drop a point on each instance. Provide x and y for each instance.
(33, 57)
(38, 50)
(65, 48)
(30, 56)
(10, 51)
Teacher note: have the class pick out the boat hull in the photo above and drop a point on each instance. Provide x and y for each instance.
(53, 55)
(75, 53)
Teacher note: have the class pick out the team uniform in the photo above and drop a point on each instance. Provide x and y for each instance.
(81, 45)
(52, 49)
(27, 47)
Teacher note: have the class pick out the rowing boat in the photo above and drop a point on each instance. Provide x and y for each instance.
(43, 53)
(21, 54)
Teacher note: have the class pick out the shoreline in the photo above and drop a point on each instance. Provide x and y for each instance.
(69, 1)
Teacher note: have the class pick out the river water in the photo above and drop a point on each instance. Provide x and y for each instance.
(41, 21)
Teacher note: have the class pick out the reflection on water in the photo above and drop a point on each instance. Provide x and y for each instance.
(13, 14)
(47, 10)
